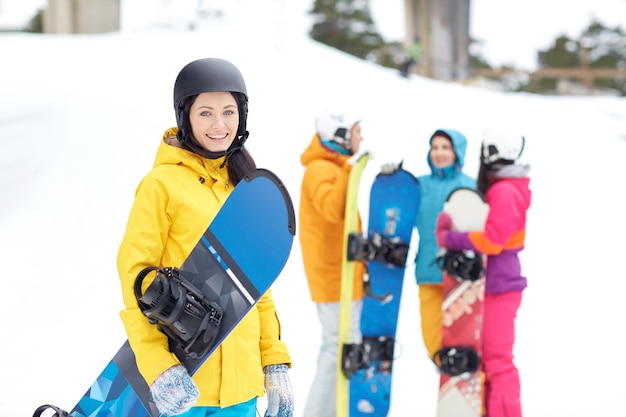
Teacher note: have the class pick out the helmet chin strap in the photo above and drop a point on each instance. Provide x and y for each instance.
(234, 147)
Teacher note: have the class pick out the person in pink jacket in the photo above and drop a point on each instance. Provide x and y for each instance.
(505, 183)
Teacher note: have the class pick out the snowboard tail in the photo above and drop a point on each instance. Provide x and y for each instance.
(238, 258)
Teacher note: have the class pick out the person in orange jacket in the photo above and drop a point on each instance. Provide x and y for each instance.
(328, 161)
(198, 163)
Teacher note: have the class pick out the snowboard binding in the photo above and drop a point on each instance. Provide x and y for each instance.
(464, 265)
(356, 356)
(179, 309)
(379, 348)
(380, 248)
(457, 360)
(57, 411)
(390, 251)
(353, 358)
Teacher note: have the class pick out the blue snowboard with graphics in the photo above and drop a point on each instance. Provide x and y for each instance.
(394, 201)
(235, 262)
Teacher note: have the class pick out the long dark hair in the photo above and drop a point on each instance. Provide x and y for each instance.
(487, 174)
(238, 160)
(485, 178)
(239, 165)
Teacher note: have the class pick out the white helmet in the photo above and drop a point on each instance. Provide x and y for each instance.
(335, 127)
(501, 145)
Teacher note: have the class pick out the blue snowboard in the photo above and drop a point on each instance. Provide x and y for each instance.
(236, 261)
(394, 201)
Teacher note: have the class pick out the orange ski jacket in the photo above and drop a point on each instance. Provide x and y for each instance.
(321, 222)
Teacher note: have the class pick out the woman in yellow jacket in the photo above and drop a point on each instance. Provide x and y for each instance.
(328, 161)
(196, 167)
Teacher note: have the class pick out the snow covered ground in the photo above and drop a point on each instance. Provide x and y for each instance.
(80, 121)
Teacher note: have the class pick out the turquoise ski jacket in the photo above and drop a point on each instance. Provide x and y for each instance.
(435, 188)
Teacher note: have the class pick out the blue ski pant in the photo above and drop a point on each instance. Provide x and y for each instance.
(247, 409)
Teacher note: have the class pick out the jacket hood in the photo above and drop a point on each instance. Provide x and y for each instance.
(513, 171)
(171, 152)
(459, 144)
(316, 151)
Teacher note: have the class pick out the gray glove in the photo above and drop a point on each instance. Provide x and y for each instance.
(174, 392)
(390, 167)
(279, 391)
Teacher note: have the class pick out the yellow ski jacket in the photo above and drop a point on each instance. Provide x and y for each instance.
(174, 204)
(321, 217)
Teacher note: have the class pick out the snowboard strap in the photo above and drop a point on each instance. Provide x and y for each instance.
(390, 250)
(464, 265)
(367, 288)
(353, 358)
(379, 348)
(356, 356)
(379, 248)
(180, 310)
(456, 360)
(57, 411)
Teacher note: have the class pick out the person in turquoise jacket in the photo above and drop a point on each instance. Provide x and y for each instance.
(446, 158)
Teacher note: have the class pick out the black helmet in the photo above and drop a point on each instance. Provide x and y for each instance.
(209, 75)
(205, 75)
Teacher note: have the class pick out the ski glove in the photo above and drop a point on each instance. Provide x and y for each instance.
(174, 392)
(444, 224)
(279, 391)
(389, 168)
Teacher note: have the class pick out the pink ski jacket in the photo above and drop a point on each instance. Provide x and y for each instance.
(504, 233)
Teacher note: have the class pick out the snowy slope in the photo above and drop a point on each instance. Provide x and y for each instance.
(80, 121)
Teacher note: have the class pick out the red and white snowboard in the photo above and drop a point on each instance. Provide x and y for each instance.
(460, 389)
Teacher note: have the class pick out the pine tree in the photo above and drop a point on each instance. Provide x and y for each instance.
(604, 47)
(346, 25)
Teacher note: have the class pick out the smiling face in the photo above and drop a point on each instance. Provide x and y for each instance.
(214, 120)
(441, 151)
